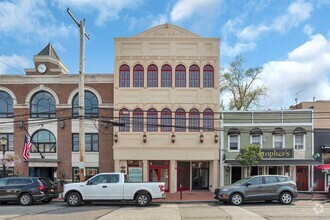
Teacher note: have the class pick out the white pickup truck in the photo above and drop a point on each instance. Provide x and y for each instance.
(112, 186)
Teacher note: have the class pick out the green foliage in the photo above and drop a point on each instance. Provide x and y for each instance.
(240, 83)
(250, 155)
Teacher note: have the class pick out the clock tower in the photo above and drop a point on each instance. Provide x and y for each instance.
(47, 62)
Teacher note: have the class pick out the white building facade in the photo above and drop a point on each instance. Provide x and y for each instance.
(166, 89)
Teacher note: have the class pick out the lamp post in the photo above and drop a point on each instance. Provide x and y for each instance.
(3, 144)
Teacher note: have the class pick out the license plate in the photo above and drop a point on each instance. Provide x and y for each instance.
(52, 190)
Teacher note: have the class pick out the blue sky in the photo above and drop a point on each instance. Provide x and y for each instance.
(290, 39)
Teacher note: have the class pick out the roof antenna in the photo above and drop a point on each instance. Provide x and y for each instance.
(296, 99)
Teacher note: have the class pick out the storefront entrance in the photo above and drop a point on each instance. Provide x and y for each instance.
(302, 178)
(159, 172)
(236, 174)
(183, 176)
(200, 175)
(43, 172)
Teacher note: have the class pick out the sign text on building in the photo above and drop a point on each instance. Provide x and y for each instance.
(277, 153)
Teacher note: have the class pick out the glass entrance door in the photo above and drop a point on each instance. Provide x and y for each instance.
(200, 178)
(159, 172)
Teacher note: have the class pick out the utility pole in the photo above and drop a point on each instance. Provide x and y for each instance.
(81, 26)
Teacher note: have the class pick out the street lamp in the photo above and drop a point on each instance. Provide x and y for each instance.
(3, 144)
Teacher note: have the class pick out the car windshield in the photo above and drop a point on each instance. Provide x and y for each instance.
(240, 182)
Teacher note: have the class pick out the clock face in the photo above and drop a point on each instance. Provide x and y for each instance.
(42, 68)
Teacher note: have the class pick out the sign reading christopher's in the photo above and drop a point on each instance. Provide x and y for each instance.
(277, 153)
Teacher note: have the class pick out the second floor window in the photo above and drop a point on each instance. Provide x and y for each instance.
(234, 142)
(91, 142)
(166, 120)
(125, 119)
(43, 140)
(138, 120)
(180, 120)
(6, 105)
(299, 141)
(152, 120)
(208, 120)
(278, 141)
(138, 74)
(256, 139)
(43, 105)
(194, 120)
(152, 76)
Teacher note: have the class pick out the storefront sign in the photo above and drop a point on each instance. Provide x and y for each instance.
(135, 174)
(277, 153)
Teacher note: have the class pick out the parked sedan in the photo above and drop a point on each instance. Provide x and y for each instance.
(27, 190)
(258, 188)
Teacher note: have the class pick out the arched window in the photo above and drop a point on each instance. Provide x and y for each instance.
(6, 105)
(43, 105)
(91, 105)
(208, 120)
(166, 120)
(180, 76)
(43, 140)
(194, 120)
(152, 120)
(194, 76)
(138, 76)
(138, 120)
(152, 76)
(124, 118)
(124, 76)
(166, 76)
(208, 76)
(180, 120)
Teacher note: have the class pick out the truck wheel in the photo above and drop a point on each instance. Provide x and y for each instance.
(142, 199)
(286, 198)
(25, 199)
(236, 199)
(73, 199)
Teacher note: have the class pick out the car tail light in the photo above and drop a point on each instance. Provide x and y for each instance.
(42, 187)
(162, 188)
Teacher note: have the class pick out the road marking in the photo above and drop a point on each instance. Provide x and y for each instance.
(238, 213)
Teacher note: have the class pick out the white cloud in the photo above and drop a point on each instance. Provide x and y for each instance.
(30, 20)
(107, 10)
(185, 9)
(13, 64)
(308, 29)
(238, 48)
(298, 12)
(252, 32)
(307, 68)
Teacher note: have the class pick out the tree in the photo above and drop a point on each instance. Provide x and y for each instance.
(240, 83)
(249, 156)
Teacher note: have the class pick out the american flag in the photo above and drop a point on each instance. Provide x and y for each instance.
(27, 147)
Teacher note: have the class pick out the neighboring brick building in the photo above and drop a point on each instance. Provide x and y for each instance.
(167, 93)
(321, 110)
(44, 102)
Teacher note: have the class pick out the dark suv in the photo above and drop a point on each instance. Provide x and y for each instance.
(27, 190)
(258, 188)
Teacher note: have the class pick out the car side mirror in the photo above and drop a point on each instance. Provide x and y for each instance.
(89, 182)
(247, 184)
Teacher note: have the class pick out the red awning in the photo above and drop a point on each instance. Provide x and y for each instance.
(323, 167)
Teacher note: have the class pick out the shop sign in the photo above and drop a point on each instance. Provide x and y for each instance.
(277, 153)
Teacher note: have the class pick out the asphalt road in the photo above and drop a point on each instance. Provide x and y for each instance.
(58, 210)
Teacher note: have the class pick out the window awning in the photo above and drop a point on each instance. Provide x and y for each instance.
(256, 131)
(299, 130)
(234, 131)
(280, 162)
(279, 131)
(323, 167)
